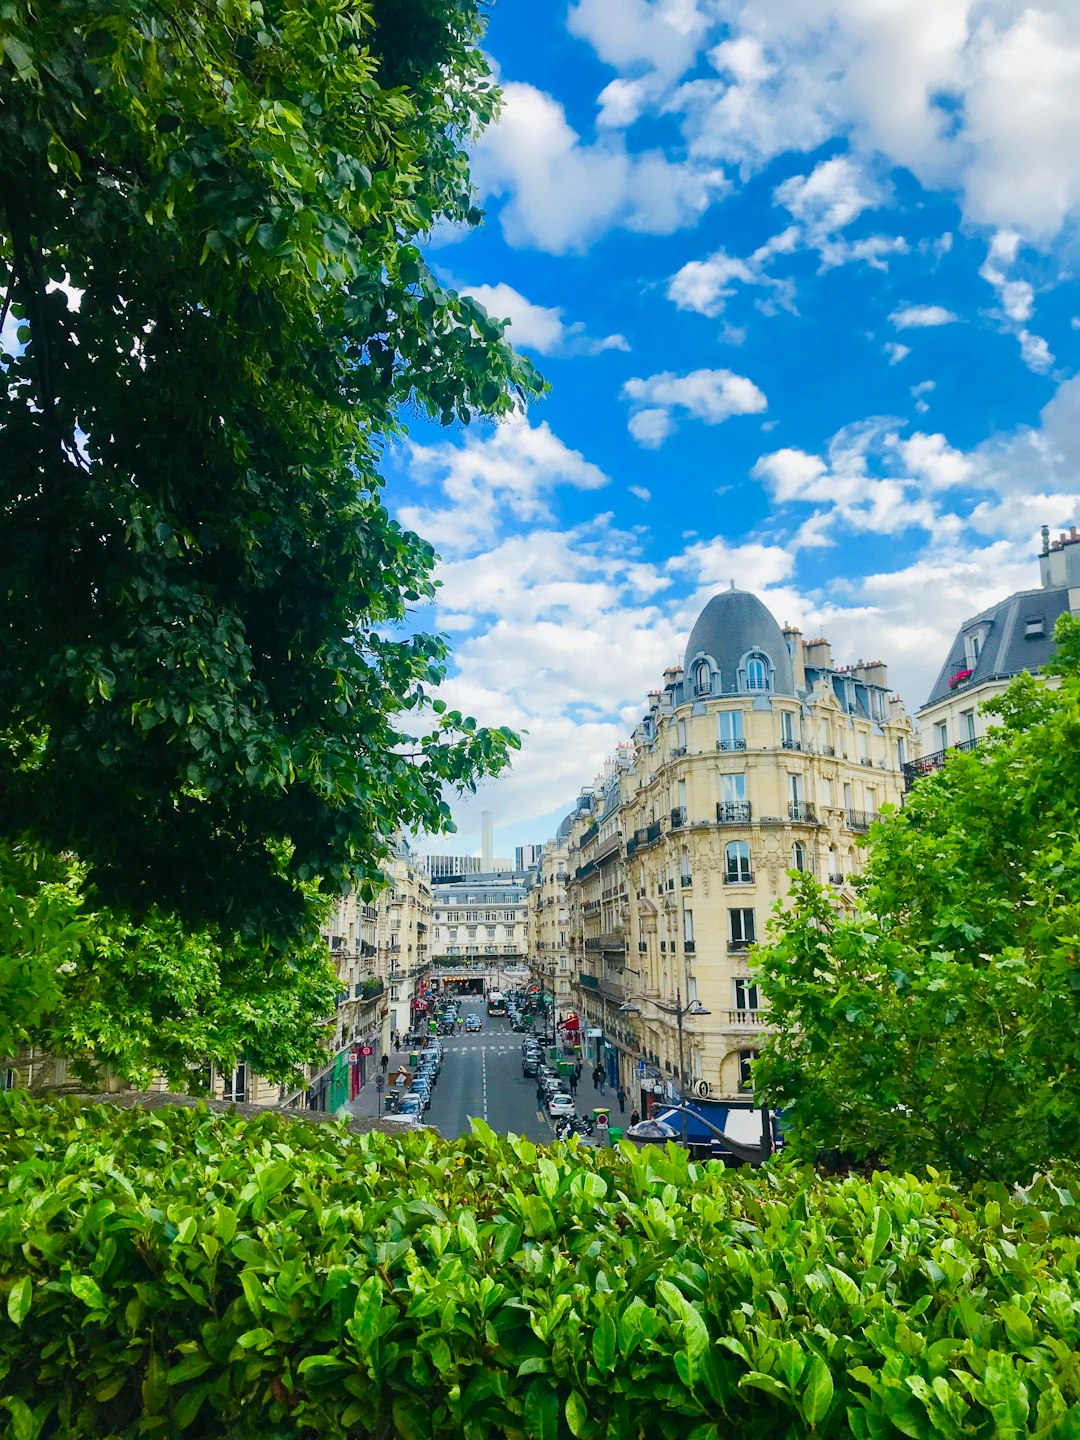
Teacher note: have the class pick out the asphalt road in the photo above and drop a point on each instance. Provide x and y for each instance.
(481, 1076)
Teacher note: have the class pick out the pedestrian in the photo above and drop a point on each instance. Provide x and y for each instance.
(635, 1119)
(385, 1062)
(539, 1097)
(577, 1070)
(573, 1084)
(621, 1097)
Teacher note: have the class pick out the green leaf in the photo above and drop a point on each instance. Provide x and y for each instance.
(88, 1291)
(879, 1235)
(577, 1413)
(19, 1298)
(817, 1391)
(541, 1411)
(604, 1343)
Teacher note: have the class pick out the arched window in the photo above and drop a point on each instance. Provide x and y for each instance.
(757, 673)
(798, 856)
(737, 863)
(702, 678)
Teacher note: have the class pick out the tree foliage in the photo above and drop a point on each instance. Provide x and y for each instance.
(940, 1023)
(148, 998)
(180, 1273)
(208, 237)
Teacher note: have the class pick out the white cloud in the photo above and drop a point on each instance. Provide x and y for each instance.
(1016, 298)
(974, 96)
(656, 40)
(539, 327)
(506, 474)
(640, 492)
(896, 352)
(915, 317)
(705, 286)
(561, 193)
(709, 395)
(827, 201)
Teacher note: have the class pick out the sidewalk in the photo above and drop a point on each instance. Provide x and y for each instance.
(366, 1104)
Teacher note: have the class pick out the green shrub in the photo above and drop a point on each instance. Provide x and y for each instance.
(183, 1273)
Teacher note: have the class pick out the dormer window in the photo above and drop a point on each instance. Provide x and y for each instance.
(702, 678)
(1034, 627)
(757, 672)
(973, 644)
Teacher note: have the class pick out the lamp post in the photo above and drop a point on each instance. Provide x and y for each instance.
(680, 1010)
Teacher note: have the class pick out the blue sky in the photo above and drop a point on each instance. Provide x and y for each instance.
(802, 275)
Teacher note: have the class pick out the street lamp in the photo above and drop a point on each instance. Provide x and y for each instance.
(680, 1010)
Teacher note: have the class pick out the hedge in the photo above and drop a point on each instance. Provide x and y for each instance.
(185, 1273)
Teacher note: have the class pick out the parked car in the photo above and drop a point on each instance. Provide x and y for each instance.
(552, 1084)
(411, 1105)
(560, 1104)
(528, 1065)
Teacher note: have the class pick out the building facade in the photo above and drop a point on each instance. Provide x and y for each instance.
(990, 649)
(548, 921)
(758, 756)
(481, 921)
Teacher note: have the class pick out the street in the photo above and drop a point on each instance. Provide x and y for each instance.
(481, 1077)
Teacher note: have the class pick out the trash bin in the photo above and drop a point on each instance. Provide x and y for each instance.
(615, 1133)
(414, 1060)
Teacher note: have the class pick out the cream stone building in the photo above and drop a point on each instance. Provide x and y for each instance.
(548, 923)
(990, 649)
(757, 757)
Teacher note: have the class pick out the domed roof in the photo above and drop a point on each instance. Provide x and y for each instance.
(733, 623)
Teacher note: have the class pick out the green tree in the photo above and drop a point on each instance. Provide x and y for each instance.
(209, 223)
(940, 1023)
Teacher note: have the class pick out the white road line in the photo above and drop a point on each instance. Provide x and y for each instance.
(483, 1067)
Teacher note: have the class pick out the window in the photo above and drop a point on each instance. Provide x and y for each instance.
(438, 933)
(684, 866)
(236, 1085)
(1034, 627)
(680, 735)
(746, 993)
(757, 673)
(787, 729)
(741, 929)
(942, 732)
(746, 1068)
(731, 730)
(737, 863)
(972, 648)
(825, 785)
(798, 856)
(796, 808)
(967, 725)
(733, 789)
(452, 932)
(901, 751)
(702, 678)
(688, 926)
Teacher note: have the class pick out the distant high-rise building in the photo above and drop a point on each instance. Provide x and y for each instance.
(527, 857)
(443, 867)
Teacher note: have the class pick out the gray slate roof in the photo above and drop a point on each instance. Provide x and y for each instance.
(1006, 649)
(733, 622)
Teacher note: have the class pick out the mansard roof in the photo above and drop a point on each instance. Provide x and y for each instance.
(733, 624)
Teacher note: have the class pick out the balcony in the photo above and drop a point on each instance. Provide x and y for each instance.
(802, 813)
(588, 982)
(686, 881)
(746, 1019)
(589, 834)
(678, 817)
(865, 760)
(678, 752)
(738, 877)
(689, 947)
(731, 745)
(829, 750)
(861, 819)
(631, 847)
(914, 769)
(733, 812)
(835, 878)
(789, 743)
(652, 832)
(739, 947)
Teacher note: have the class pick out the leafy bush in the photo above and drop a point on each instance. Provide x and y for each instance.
(178, 1272)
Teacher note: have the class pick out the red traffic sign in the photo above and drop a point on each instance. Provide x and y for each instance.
(365, 1049)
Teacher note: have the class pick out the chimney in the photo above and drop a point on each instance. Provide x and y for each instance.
(793, 640)
(818, 654)
(487, 845)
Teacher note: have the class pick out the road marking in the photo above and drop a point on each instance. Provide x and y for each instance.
(484, 1077)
